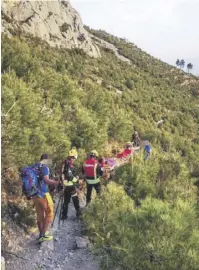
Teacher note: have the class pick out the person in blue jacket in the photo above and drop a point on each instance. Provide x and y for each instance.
(147, 151)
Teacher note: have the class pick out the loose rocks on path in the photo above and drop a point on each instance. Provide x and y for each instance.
(69, 250)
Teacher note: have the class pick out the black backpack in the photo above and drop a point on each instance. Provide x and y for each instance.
(68, 171)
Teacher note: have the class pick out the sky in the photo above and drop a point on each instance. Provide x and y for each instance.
(167, 29)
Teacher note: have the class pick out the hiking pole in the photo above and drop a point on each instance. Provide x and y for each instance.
(60, 213)
(56, 211)
(62, 209)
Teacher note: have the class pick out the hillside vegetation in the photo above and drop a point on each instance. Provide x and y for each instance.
(54, 98)
(61, 97)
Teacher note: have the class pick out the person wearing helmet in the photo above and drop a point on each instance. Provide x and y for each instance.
(128, 149)
(136, 139)
(92, 172)
(74, 149)
(73, 153)
(128, 145)
(70, 182)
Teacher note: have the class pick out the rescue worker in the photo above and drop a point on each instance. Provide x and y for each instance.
(70, 184)
(92, 172)
(136, 139)
(74, 149)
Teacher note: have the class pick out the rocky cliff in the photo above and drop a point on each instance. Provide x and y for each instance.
(53, 21)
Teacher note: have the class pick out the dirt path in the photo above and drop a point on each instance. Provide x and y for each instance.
(62, 253)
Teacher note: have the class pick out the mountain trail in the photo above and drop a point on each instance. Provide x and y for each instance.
(62, 253)
(69, 249)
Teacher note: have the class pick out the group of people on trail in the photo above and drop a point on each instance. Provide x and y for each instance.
(36, 182)
(36, 179)
(135, 144)
(92, 170)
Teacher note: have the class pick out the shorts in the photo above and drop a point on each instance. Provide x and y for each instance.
(44, 208)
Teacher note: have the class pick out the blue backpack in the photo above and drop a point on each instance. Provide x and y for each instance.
(31, 178)
(147, 148)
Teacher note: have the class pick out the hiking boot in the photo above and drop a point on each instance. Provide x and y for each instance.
(45, 238)
(46, 234)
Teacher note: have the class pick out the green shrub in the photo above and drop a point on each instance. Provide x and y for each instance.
(156, 235)
(64, 27)
(55, 98)
(164, 177)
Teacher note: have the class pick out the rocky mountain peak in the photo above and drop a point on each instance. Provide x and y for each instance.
(56, 22)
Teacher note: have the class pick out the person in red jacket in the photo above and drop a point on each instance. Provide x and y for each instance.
(127, 151)
(92, 172)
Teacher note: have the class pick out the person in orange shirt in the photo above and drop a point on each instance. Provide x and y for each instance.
(43, 201)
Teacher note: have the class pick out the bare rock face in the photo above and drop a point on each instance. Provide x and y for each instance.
(53, 21)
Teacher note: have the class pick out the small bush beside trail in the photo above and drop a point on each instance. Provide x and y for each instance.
(157, 235)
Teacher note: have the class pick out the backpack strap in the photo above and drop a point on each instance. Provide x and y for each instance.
(39, 168)
(66, 165)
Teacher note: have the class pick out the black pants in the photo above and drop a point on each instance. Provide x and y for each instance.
(97, 187)
(68, 193)
(136, 142)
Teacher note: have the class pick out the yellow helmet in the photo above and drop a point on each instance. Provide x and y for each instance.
(72, 153)
(94, 153)
(128, 144)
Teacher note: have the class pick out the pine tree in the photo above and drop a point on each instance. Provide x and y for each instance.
(178, 63)
(189, 67)
(182, 63)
